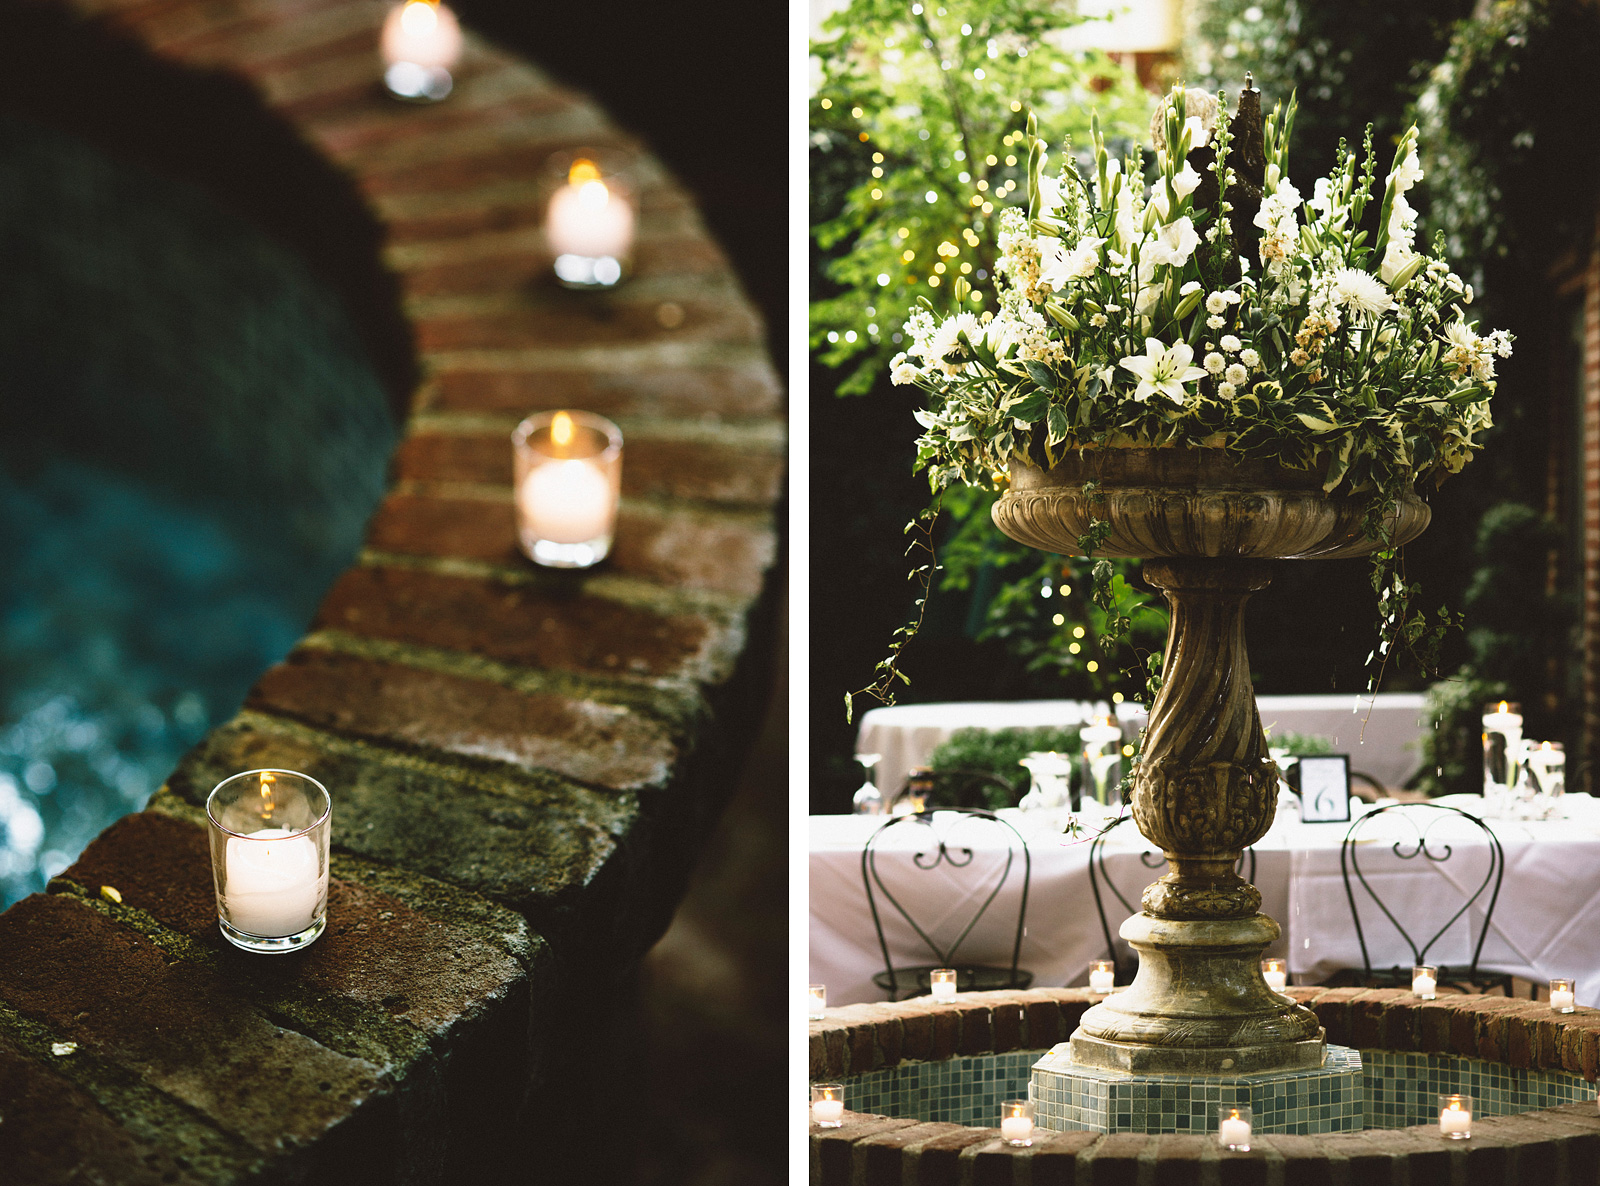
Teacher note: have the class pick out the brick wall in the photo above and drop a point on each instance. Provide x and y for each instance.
(522, 763)
(1551, 1146)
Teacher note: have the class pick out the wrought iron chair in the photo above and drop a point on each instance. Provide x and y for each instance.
(903, 982)
(1471, 977)
(1150, 860)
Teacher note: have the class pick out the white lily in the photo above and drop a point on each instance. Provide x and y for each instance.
(1162, 369)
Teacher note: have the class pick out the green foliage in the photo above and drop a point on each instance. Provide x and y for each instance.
(933, 101)
(999, 751)
(1300, 744)
(1452, 749)
(1518, 618)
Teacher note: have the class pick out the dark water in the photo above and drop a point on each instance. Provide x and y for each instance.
(191, 441)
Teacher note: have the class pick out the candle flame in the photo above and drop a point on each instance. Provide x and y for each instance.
(419, 17)
(583, 169)
(1505, 706)
(561, 431)
(267, 779)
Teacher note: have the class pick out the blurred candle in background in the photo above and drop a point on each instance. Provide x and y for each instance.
(589, 227)
(421, 42)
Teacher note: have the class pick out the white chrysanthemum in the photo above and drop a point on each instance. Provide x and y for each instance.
(1227, 390)
(1098, 321)
(1250, 358)
(1215, 363)
(902, 372)
(1192, 287)
(1215, 322)
(1231, 344)
(1236, 374)
(1162, 370)
(1216, 303)
(944, 347)
(1360, 292)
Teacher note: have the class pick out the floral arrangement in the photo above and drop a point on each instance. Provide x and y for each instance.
(1213, 306)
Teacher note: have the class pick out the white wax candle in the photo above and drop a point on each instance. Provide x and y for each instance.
(827, 1111)
(1016, 1128)
(944, 990)
(567, 502)
(1562, 999)
(587, 219)
(423, 34)
(1276, 980)
(817, 1002)
(1234, 1130)
(1424, 986)
(272, 885)
(1455, 1120)
(1102, 981)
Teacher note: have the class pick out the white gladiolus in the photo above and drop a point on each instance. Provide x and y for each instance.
(1175, 244)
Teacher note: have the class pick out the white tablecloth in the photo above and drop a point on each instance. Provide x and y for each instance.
(1546, 922)
(1383, 743)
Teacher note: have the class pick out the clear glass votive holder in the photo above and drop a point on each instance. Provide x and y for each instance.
(942, 983)
(1455, 1117)
(1233, 1126)
(269, 858)
(568, 481)
(827, 1105)
(420, 43)
(817, 1002)
(590, 219)
(1425, 981)
(1563, 999)
(1276, 973)
(1016, 1122)
(1102, 976)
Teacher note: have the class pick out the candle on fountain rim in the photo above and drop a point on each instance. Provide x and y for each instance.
(420, 44)
(1233, 1126)
(568, 482)
(1455, 1117)
(1102, 976)
(1276, 973)
(1425, 982)
(1016, 1122)
(942, 981)
(1562, 997)
(817, 1001)
(589, 227)
(827, 1104)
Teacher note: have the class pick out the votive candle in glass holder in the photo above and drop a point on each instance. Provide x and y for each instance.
(1276, 973)
(421, 41)
(568, 475)
(827, 1104)
(269, 858)
(1233, 1126)
(1562, 997)
(1455, 1117)
(589, 223)
(1102, 976)
(817, 1002)
(1425, 981)
(1016, 1122)
(943, 983)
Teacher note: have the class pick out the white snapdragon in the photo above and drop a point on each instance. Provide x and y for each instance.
(1397, 252)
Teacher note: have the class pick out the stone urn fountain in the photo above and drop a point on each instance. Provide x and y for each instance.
(1210, 529)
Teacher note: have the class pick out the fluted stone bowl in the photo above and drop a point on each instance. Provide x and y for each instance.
(1182, 502)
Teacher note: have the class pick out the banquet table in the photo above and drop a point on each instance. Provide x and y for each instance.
(1382, 734)
(1545, 923)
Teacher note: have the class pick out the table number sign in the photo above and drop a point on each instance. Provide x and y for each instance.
(1323, 781)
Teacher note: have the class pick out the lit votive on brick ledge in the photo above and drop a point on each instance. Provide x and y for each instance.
(1425, 981)
(1016, 1122)
(568, 474)
(827, 1104)
(1233, 1126)
(1562, 997)
(269, 834)
(1276, 974)
(817, 1002)
(1102, 976)
(589, 223)
(1455, 1117)
(943, 983)
(421, 42)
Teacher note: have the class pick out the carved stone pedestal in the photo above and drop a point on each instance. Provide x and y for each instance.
(1206, 787)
